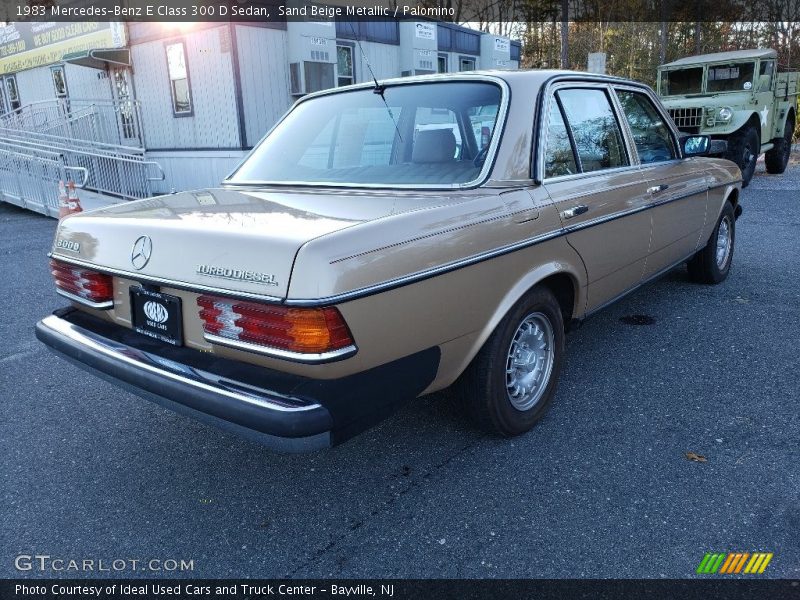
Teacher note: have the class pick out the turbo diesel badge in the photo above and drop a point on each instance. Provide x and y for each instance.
(236, 274)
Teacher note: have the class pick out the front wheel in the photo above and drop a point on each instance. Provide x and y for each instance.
(713, 263)
(776, 159)
(743, 149)
(511, 382)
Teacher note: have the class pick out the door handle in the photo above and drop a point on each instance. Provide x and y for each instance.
(575, 211)
(657, 188)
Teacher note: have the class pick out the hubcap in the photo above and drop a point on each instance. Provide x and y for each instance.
(748, 156)
(530, 361)
(723, 242)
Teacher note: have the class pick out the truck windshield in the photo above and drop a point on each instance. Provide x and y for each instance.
(730, 78)
(418, 134)
(682, 81)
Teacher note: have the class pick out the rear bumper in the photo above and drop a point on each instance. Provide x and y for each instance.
(285, 412)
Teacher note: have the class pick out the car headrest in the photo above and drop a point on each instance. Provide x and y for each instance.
(434, 146)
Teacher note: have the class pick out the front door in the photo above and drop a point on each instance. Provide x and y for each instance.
(765, 99)
(678, 188)
(597, 188)
(121, 92)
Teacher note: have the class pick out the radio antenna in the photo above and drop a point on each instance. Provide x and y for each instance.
(378, 89)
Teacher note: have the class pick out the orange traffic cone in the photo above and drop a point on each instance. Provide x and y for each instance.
(73, 202)
(63, 201)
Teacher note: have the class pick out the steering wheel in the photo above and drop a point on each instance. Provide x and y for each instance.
(481, 157)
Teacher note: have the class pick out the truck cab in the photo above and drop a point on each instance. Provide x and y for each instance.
(739, 97)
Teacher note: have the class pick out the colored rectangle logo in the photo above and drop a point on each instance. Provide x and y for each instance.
(734, 563)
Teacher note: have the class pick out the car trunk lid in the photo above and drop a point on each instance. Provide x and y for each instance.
(241, 241)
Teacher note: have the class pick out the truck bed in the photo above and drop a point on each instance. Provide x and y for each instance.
(786, 84)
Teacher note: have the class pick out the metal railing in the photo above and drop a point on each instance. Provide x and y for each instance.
(112, 169)
(102, 121)
(30, 180)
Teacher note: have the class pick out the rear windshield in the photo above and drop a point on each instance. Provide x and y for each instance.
(425, 134)
(682, 81)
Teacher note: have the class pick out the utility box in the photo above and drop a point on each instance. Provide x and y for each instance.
(312, 55)
(597, 63)
(419, 48)
(495, 52)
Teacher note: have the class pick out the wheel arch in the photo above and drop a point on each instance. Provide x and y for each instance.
(790, 114)
(752, 121)
(567, 284)
(733, 199)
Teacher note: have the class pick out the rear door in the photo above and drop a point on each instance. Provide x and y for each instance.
(592, 177)
(677, 188)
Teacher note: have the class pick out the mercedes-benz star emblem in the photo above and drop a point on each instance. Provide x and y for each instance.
(142, 249)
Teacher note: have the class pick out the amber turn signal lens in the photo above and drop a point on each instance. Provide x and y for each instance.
(302, 330)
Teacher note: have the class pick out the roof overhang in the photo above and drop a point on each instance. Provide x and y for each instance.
(100, 58)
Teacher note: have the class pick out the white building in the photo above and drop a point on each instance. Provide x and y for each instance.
(192, 99)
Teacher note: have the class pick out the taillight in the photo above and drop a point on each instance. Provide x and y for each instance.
(83, 284)
(299, 330)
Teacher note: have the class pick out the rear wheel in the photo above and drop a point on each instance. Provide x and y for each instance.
(744, 146)
(511, 382)
(713, 263)
(777, 158)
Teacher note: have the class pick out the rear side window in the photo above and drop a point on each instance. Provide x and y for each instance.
(595, 131)
(559, 158)
(650, 133)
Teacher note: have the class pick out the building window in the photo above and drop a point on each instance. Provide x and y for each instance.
(345, 70)
(59, 81)
(179, 79)
(318, 76)
(441, 64)
(13, 93)
(466, 64)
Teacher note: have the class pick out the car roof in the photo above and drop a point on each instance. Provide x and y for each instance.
(528, 79)
(723, 56)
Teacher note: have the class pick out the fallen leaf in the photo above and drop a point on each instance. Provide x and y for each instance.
(696, 457)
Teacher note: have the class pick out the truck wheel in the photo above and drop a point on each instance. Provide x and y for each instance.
(743, 148)
(777, 158)
(511, 382)
(713, 263)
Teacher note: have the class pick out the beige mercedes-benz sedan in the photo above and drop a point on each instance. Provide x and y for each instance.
(386, 241)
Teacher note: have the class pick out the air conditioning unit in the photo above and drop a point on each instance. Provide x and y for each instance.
(310, 76)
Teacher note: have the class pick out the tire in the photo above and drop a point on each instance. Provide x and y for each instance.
(712, 264)
(487, 392)
(744, 146)
(777, 158)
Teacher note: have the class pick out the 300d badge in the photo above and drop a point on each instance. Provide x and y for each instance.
(68, 245)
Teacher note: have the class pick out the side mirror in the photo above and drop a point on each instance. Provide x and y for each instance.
(696, 145)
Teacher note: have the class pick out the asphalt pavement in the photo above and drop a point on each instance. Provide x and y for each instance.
(602, 487)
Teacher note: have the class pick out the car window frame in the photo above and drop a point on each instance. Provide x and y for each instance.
(550, 91)
(576, 159)
(668, 122)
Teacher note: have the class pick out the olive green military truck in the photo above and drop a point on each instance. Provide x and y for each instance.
(738, 96)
